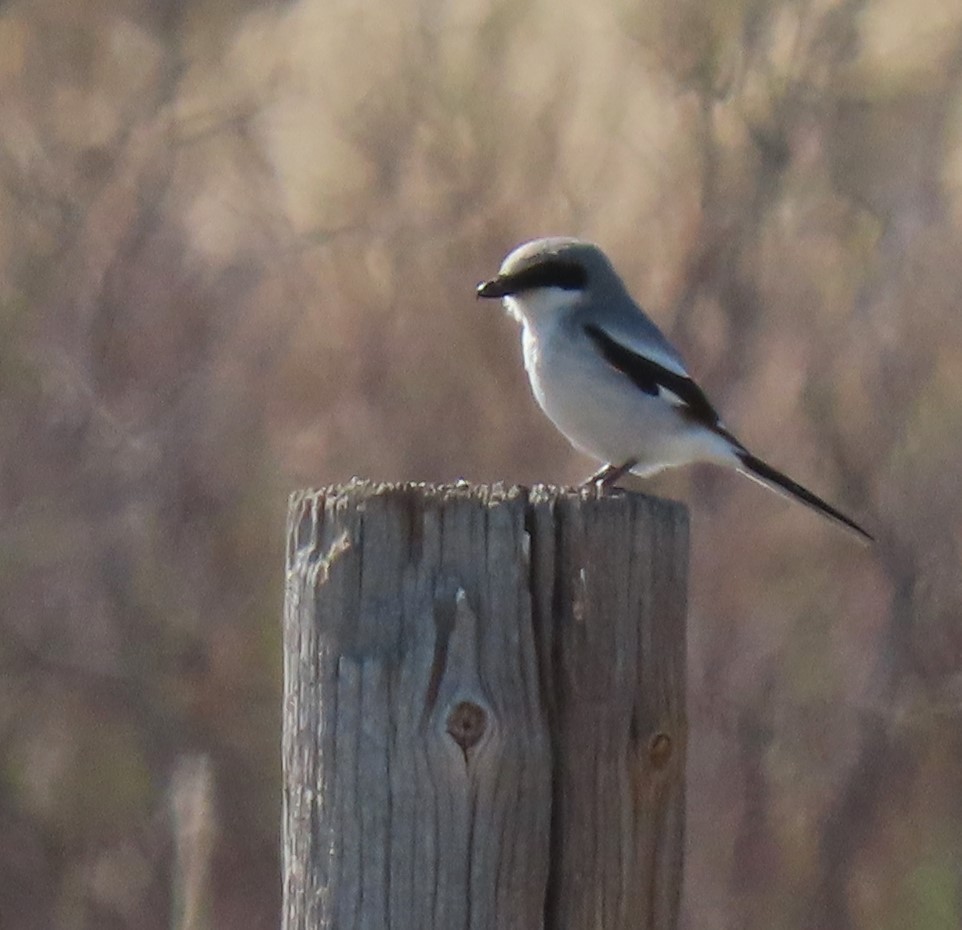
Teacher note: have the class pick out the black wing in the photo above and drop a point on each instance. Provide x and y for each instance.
(652, 378)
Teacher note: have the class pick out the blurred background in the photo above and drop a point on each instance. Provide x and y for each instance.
(238, 247)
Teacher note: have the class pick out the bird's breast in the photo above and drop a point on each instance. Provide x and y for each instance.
(573, 387)
(550, 373)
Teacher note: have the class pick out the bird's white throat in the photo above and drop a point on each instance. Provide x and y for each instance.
(540, 304)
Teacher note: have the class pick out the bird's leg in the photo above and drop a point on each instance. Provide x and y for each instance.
(604, 478)
(599, 475)
(616, 473)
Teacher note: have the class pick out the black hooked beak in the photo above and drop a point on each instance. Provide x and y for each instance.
(496, 287)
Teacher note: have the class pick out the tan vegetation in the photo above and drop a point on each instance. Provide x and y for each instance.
(238, 244)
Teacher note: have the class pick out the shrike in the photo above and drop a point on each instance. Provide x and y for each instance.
(607, 377)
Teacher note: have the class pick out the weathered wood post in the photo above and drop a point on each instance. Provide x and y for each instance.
(484, 721)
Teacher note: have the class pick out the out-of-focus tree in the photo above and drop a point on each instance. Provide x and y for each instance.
(238, 243)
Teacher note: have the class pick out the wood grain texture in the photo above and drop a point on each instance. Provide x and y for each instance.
(484, 709)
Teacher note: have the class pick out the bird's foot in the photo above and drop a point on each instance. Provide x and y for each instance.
(597, 476)
(606, 477)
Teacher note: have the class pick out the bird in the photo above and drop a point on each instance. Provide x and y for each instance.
(608, 378)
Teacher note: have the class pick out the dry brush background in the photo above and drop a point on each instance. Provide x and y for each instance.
(238, 244)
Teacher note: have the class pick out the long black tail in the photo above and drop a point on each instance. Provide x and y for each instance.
(761, 471)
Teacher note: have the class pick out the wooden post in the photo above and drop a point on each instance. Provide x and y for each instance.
(484, 721)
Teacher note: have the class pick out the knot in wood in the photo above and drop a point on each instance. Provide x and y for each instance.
(466, 724)
(659, 750)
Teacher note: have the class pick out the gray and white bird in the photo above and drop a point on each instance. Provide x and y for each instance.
(608, 378)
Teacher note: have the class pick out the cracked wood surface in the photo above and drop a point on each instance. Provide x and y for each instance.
(484, 709)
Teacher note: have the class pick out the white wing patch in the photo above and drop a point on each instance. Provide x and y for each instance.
(670, 396)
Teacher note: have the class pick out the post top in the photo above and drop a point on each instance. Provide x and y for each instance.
(359, 489)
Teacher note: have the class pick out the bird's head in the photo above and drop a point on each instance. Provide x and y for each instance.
(545, 276)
